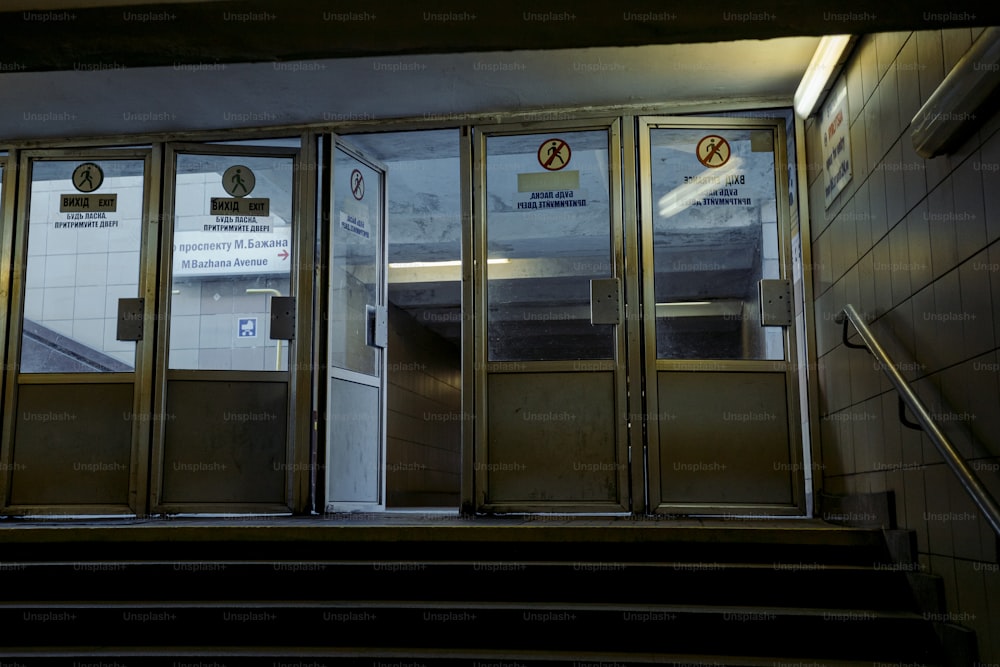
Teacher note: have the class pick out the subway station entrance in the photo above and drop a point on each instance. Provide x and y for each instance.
(634, 303)
(589, 316)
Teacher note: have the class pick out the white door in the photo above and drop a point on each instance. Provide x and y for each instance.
(356, 321)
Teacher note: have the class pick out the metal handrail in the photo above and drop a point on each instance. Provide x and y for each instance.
(970, 482)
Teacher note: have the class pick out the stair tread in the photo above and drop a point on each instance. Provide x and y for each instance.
(457, 658)
(860, 613)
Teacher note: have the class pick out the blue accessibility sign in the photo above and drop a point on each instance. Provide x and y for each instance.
(247, 327)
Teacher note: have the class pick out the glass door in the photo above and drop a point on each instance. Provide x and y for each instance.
(227, 406)
(80, 346)
(550, 394)
(721, 395)
(357, 325)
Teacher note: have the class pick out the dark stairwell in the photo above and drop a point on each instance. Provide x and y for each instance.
(450, 591)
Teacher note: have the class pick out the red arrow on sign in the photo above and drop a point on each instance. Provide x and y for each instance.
(283, 254)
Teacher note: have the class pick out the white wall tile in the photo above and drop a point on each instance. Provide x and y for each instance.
(60, 271)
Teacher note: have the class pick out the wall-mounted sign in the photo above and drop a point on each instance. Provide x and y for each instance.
(834, 124)
(203, 254)
(554, 154)
(246, 327)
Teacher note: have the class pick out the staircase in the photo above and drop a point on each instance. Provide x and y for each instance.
(486, 594)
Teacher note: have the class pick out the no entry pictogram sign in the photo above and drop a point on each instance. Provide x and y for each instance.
(357, 185)
(554, 154)
(713, 151)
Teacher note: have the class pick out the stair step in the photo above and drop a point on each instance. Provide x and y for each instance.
(488, 593)
(783, 584)
(475, 540)
(584, 627)
(270, 656)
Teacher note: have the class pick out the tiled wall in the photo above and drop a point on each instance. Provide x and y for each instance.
(424, 416)
(204, 324)
(911, 242)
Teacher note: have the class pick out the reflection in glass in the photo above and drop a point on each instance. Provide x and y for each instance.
(226, 267)
(548, 234)
(715, 236)
(81, 261)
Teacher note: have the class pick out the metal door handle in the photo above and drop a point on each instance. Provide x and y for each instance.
(378, 326)
(775, 303)
(282, 318)
(130, 316)
(605, 307)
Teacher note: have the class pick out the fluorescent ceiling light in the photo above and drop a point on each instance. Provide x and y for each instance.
(730, 309)
(687, 194)
(820, 73)
(960, 105)
(447, 262)
(424, 265)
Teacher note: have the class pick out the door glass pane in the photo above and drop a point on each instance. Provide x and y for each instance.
(355, 249)
(715, 236)
(548, 230)
(232, 253)
(84, 239)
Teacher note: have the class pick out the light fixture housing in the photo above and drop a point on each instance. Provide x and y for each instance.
(957, 108)
(829, 58)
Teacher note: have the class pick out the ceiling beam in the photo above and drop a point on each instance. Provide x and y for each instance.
(230, 31)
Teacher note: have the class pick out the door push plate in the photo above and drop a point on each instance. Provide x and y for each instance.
(130, 315)
(282, 318)
(775, 303)
(378, 326)
(604, 305)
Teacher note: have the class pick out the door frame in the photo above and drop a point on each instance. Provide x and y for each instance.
(16, 246)
(652, 364)
(299, 405)
(307, 428)
(8, 162)
(339, 142)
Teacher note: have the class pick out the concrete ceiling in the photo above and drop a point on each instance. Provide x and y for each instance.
(161, 99)
(140, 33)
(104, 67)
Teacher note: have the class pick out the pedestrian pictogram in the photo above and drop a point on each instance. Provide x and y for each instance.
(554, 154)
(357, 185)
(87, 177)
(713, 151)
(238, 180)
